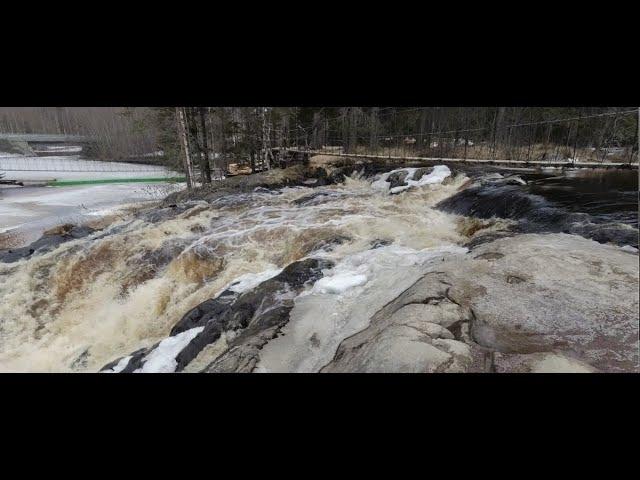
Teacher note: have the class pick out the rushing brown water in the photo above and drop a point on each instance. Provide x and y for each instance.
(94, 300)
(99, 298)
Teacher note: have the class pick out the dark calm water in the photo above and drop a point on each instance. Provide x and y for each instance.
(608, 196)
(597, 204)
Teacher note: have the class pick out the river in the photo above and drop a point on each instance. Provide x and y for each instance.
(97, 299)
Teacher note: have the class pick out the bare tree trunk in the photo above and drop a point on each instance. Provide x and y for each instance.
(373, 140)
(345, 129)
(315, 131)
(182, 133)
(192, 138)
(423, 126)
(353, 129)
(205, 170)
(266, 138)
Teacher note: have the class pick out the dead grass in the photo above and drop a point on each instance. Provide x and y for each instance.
(534, 152)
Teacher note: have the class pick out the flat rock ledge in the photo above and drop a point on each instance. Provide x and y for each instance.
(269, 180)
(530, 303)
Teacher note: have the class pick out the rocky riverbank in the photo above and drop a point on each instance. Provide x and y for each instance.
(530, 303)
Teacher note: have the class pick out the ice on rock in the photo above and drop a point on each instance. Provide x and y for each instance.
(340, 283)
(163, 358)
(438, 175)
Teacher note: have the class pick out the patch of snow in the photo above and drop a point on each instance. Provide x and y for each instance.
(629, 248)
(163, 358)
(340, 282)
(439, 173)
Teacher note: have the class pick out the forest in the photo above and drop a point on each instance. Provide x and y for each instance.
(247, 135)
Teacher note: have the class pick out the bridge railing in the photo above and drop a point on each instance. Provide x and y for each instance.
(553, 141)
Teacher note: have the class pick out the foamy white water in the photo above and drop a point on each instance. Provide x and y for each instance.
(102, 297)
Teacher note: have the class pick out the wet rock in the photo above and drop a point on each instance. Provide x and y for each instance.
(413, 334)
(81, 360)
(162, 256)
(206, 311)
(502, 201)
(261, 311)
(397, 179)
(50, 240)
(330, 243)
(161, 214)
(316, 198)
(366, 169)
(380, 242)
(257, 313)
(134, 363)
(617, 233)
(269, 180)
(552, 302)
(499, 179)
(421, 172)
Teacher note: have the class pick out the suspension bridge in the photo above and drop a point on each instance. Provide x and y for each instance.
(562, 143)
(603, 140)
(295, 154)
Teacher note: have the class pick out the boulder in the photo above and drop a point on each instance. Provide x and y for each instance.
(256, 315)
(535, 302)
(421, 172)
(50, 240)
(271, 179)
(397, 179)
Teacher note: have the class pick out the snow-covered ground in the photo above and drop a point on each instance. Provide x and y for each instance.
(31, 210)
